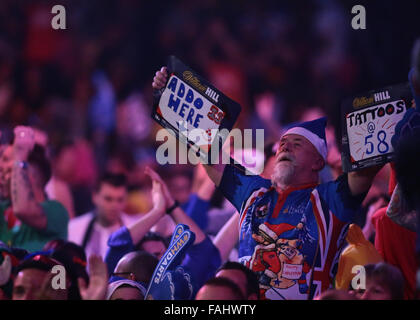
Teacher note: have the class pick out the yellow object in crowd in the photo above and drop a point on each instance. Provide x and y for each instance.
(138, 201)
(359, 252)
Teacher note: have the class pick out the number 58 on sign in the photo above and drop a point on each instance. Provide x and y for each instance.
(368, 122)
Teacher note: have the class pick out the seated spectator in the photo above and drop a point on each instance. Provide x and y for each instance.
(219, 288)
(28, 219)
(125, 290)
(8, 262)
(383, 282)
(202, 258)
(74, 260)
(92, 230)
(33, 280)
(333, 294)
(153, 243)
(136, 266)
(243, 277)
(74, 163)
(397, 246)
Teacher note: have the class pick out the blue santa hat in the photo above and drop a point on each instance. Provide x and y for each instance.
(314, 131)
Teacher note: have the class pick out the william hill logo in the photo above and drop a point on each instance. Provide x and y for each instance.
(360, 102)
(195, 82)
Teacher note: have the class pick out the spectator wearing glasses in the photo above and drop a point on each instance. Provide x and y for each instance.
(202, 258)
(136, 266)
(131, 276)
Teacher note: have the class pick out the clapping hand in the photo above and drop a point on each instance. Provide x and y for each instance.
(169, 200)
(98, 280)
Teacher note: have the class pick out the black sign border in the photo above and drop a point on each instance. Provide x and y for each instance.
(400, 91)
(231, 108)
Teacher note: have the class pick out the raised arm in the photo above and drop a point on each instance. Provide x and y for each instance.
(126, 238)
(139, 228)
(361, 181)
(178, 215)
(227, 237)
(26, 194)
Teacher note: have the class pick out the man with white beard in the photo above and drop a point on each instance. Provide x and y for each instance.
(292, 229)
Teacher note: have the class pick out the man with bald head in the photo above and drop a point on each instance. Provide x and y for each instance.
(137, 266)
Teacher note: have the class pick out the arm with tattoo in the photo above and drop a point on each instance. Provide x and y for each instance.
(26, 206)
(399, 211)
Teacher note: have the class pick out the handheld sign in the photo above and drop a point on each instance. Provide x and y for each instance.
(169, 280)
(194, 110)
(368, 122)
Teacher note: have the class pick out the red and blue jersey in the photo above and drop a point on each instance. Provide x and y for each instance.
(292, 239)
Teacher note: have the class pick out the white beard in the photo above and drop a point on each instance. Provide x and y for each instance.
(283, 174)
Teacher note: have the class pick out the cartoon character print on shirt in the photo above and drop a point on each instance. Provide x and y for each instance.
(277, 257)
(261, 207)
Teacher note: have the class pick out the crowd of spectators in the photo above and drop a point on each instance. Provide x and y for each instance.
(80, 186)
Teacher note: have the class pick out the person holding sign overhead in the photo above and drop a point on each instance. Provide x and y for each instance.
(292, 229)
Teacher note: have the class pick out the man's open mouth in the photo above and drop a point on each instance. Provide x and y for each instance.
(285, 158)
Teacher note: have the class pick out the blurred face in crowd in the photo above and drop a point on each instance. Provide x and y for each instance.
(3, 295)
(375, 291)
(6, 163)
(180, 188)
(28, 284)
(298, 162)
(157, 248)
(212, 292)
(237, 276)
(110, 201)
(127, 293)
(333, 294)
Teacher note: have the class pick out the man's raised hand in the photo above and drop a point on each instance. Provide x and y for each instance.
(98, 280)
(160, 79)
(169, 200)
(158, 198)
(23, 143)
